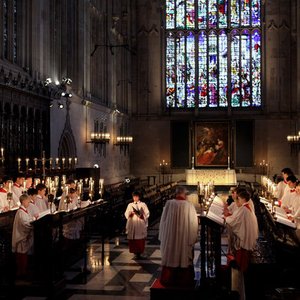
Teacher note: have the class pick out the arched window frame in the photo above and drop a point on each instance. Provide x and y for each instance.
(248, 83)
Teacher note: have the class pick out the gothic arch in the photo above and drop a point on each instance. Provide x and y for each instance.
(67, 144)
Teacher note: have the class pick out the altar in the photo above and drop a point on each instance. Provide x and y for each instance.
(217, 176)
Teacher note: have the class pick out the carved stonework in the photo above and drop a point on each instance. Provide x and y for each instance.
(272, 26)
(67, 144)
(143, 31)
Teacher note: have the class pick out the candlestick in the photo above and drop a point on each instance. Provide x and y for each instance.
(63, 162)
(19, 164)
(35, 164)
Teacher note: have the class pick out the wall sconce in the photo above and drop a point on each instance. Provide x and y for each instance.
(124, 140)
(294, 141)
(100, 137)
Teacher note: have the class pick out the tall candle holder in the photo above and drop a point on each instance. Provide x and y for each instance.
(101, 185)
(164, 169)
(91, 188)
(40, 164)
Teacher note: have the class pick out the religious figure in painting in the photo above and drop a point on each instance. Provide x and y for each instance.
(211, 148)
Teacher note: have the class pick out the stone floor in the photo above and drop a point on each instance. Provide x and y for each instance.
(116, 274)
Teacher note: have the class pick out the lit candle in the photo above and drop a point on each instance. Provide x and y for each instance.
(63, 161)
(9, 186)
(19, 163)
(2, 152)
(50, 163)
(67, 190)
(56, 162)
(101, 181)
(75, 160)
(27, 163)
(228, 162)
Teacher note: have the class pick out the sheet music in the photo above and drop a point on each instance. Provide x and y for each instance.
(285, 221)
(44, 213)
(216, 210)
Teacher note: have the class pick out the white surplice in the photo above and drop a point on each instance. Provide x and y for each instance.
(3, 201)
(178, 232)
(41, 203)
(280, 189)
(242, 233)
(243, 224)
(22, 236)
(33, 210)
(289, 198)
(17, 191)
(136, 228)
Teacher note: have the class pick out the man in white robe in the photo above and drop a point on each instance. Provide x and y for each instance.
(137, 214)
(41, 201)
(282, 186)
(32, 208)
(288, 197)
(22, 236)
(178, 233)
(18, 188)
(243, 233)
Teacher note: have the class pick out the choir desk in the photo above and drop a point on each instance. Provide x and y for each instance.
(54, 253)
(217, 176)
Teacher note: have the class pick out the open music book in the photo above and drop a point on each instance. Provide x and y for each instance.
(216, 209)
(284, 220)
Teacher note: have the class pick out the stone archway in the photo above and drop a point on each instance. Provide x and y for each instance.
(67, 144)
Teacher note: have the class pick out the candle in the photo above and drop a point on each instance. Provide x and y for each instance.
(56, 180)
(70, 161)
(101, 181)
(2, 152)
(75, 160)
(50, 163)
(228, 162)
(63, 162)
(67, 190)
(9, 186)
(56, 161)
(27, 163)
(64, 178)
(19, 163)
(79, 188)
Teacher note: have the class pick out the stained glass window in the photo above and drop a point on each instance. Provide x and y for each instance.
(213, 53)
